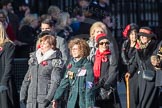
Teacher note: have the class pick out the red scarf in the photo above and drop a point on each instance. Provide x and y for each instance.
(99, 57)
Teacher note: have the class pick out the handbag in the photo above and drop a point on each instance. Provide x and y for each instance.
(106, 94)
(148, 75)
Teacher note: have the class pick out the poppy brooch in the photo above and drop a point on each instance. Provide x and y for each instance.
(1, 48)
(44, 63)
(69, 66)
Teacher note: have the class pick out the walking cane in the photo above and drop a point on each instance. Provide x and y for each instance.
(127, 90)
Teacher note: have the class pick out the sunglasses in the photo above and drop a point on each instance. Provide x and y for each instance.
(106, 43)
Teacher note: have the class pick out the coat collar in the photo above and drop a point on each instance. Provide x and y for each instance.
(43, 57)
(50, 55)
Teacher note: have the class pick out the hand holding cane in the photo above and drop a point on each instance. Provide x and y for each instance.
(127, 75)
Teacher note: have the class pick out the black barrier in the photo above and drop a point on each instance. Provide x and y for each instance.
(20, 69)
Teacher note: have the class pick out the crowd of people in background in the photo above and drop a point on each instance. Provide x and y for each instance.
(74, 61)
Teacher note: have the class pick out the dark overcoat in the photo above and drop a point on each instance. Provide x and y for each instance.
(148, 92)
(41, 80)
(128, 57)
(108, 82)
(9, 97)
(80, 85)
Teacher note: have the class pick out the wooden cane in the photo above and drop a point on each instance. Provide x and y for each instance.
(127, 91)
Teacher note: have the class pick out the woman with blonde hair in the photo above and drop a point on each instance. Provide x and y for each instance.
(97, 28)
(8, 92)
(63, 28)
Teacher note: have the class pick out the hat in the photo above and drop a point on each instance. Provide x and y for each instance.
(129, 28)
(146, 31)
(101, 37)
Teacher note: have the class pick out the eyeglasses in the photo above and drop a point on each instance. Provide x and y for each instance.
(106, 43)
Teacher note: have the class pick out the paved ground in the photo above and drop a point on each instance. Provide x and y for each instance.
(122, 93)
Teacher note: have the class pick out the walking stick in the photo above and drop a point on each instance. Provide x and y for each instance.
(127, 90)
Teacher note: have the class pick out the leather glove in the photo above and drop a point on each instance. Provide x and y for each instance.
(46, 102)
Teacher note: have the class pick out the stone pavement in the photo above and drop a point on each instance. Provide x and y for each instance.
(122, 93)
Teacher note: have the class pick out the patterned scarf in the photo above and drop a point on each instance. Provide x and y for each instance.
(100, 57)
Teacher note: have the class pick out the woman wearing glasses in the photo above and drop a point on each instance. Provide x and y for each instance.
(105, 74)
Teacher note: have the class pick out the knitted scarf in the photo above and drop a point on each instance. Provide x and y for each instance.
(99, 57)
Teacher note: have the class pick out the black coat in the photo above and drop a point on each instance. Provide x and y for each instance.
(148, 93)
(107, 80)
(128, 57)
(9, 97)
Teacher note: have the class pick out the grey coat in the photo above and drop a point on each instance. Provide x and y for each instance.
(62, 45)
(41, 81)
(8, 91)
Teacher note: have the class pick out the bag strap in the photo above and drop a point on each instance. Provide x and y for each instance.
(142, 64)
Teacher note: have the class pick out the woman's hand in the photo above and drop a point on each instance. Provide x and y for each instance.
(54, 104)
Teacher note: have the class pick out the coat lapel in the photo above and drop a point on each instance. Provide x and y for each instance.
(1, 52)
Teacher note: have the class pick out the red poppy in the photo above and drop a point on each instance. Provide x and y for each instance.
(137, 46)
(104, 59)
(44, 63)
(69, 66)
(38, 46)
(1, 48)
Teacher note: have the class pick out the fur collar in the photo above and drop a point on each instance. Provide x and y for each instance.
(41, 57)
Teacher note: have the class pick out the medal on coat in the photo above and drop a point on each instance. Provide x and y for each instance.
(70, 75)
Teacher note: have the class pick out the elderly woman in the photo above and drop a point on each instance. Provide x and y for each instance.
(43, 76)
(148, 93)
(8, 92)
(97, 28)
(128, 56)
(79, 77)
(105, 74)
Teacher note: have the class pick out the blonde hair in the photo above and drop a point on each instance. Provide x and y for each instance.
(53, 9)
(62, 20)
(3, 35)
(28, 20)
(95, 25)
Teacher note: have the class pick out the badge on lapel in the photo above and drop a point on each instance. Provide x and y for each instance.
(82, 72)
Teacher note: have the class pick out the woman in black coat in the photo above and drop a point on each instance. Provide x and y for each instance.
(105, 74)
(128, 56)
(8, 92)
(148, 92)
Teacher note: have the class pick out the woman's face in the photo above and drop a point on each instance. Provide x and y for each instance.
(133, 35)
(75, 51)
(103, 45)
(45, 27)
(45, 46)
(97, 31)
(144, 39)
